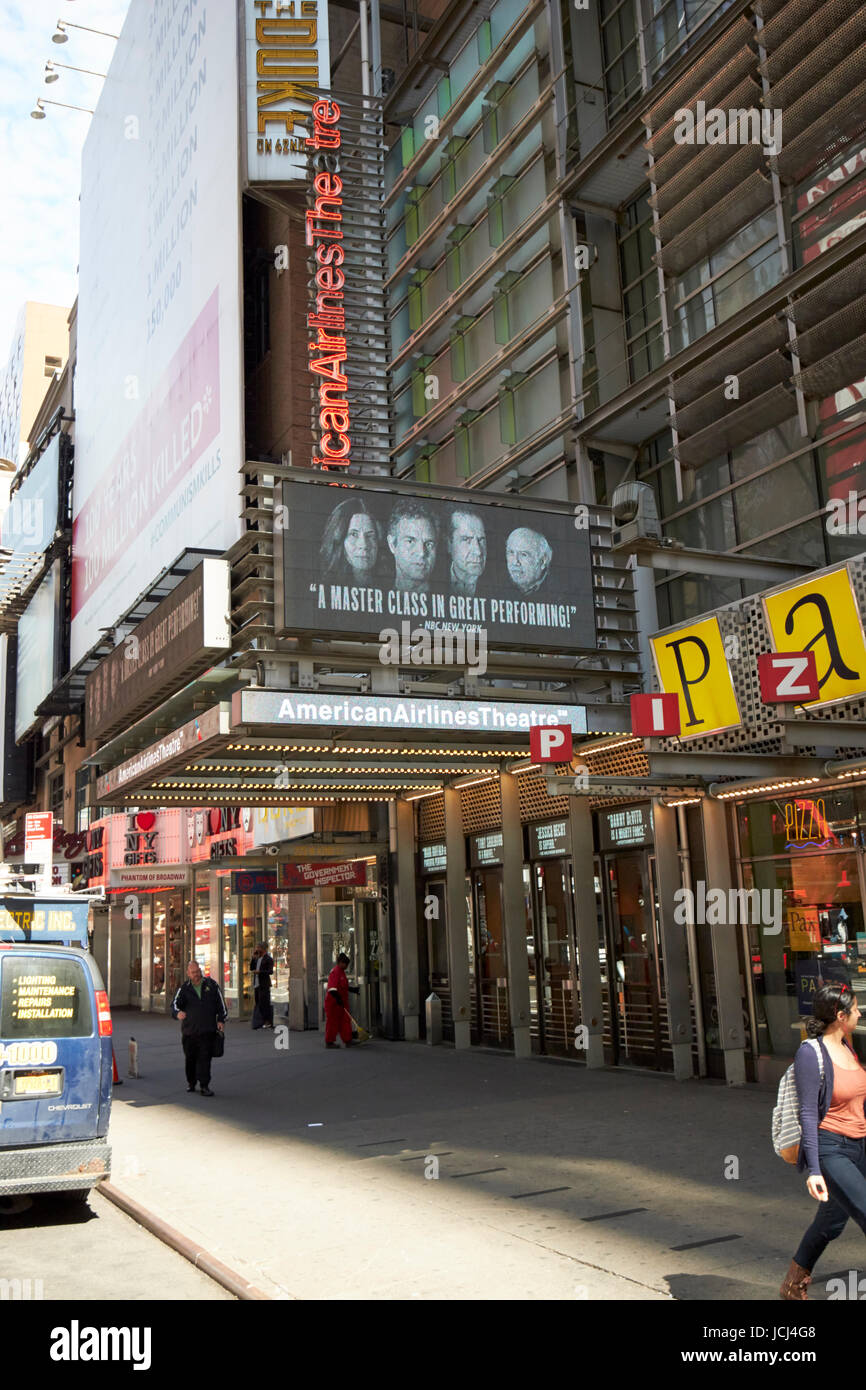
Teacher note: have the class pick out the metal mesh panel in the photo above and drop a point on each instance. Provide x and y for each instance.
(712, 172)
(842, 367)
(787, 17)
(481, 806)
(535, 804)
(818, 100)
(431, 818)
(830, 134)
(826, 20)
(823, 59)
(734, 358)
(739, 207)
(768, 9)
(739, 425)
(736, 85)
(761, 731)
(753, 381)
(699, 76)
(834, 293)
(836, 330)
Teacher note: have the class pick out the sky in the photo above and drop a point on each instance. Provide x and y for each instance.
(40, 161)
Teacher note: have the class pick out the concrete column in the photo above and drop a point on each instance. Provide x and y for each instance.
(455, 918)
(724, 937)
(514, 915)
(406, 918)
(586, 926)
(675, 957)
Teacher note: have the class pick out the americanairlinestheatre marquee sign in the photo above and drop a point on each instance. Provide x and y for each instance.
(274, 707)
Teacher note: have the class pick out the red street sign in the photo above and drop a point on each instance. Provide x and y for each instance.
(351, 871)
(655, 716)
(551, 743)
(788, 678)
(38, 837)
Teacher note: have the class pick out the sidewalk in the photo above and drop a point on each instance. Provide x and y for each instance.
(305, 1173)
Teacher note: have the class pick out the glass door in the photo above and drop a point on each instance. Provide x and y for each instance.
(634, 965)
(335, 924)
(491, 970)
(554, 956)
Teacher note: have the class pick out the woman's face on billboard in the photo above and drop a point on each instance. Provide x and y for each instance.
(360, 544)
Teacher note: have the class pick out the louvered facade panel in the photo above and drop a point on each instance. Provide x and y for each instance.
(813, 29)
(731, 213)
(741, 423)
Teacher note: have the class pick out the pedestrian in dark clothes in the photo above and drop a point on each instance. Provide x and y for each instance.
(202, 1011)
(833, 1122)
(262, 967)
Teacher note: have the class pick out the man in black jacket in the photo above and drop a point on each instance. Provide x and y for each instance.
(200, 1006)
(262, 968)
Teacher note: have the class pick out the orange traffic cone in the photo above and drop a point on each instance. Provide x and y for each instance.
(115, 1075)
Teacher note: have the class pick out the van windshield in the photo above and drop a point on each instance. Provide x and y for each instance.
(44, 998)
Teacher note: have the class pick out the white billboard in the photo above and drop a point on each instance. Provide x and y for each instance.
(158, 380)
(287, 57)
(37, 636)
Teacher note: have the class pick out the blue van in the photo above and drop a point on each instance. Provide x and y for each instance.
(55, 1049)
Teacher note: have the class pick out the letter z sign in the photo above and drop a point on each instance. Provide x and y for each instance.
(788, 678)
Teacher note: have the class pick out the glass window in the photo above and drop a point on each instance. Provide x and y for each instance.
(829, 205)
(776, 498)
(708, 527)
(765, 448)
(82, 810)
(799, 824)
(815, 899)
(205, 949)
(806, 541)
(45, 998)
(736, 273)
(705, 479)
(693, 594)
(55, 797)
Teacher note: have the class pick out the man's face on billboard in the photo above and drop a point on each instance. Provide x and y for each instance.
(413, 545)
(360, 543)
(468, 546)
(526, 556)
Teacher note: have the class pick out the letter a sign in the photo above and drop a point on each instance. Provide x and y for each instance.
(788, 678)
(655, 716)
(551, 743)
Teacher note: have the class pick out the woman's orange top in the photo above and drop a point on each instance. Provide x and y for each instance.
(846, 1114)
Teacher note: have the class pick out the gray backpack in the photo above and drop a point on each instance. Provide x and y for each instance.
(786, 1129)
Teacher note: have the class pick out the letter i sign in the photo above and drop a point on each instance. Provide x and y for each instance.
(655, 716)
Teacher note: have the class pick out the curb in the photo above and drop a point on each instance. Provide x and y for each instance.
(208, 1264)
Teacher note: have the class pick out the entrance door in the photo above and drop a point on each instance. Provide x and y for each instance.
(490, 975)
(337, 932)
(638, 1014)
(369, 1001)
(551, 947)
(437, 978)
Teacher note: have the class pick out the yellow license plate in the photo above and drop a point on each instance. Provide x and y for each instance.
(46, 1085)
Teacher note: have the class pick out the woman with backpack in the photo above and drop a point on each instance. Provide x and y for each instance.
(833, 1123)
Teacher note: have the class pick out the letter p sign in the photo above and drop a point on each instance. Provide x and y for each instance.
(655, 716)
(551, 743)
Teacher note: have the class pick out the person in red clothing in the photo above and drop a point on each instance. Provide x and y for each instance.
(337, 1018)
